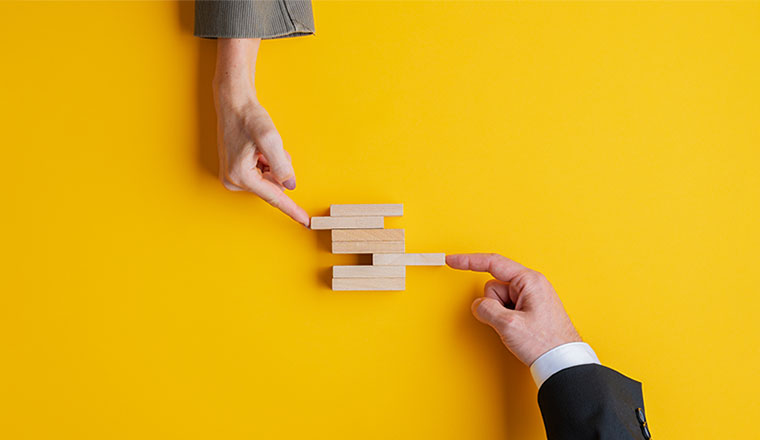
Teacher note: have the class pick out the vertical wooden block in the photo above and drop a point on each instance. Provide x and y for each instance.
(385, 210)
(368, 235)
(318, 223)
(369, 272)
(367, 247)
(357, 284)
(409, 259)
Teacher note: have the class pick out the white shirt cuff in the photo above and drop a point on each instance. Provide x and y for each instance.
(561, 357)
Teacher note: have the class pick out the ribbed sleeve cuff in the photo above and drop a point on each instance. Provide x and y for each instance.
(253, 19)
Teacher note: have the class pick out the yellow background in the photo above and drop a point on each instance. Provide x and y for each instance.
(615, 147)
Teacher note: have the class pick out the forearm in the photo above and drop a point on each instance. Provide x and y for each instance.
(251, 152)
(236, 67)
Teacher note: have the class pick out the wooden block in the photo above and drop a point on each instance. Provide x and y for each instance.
(369, 271)
(368, 235)
(368, 284)
(385, 210)
(318, 223)
(409, 259)
(367, 247)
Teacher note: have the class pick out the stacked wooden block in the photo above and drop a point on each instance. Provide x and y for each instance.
(359, 229)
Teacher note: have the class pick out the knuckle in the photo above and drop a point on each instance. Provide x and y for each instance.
(505, 325)
(491, 284)
(235, 173)
(229, 179)
(228, 184)
(534, 277)
(510, 323)
(540, 278)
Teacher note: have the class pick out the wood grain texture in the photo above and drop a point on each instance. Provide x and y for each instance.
(368, 235)
(321, 223)
(385, 210)
(409, 259)
(369, 271)
(367, 247)
(358, 284)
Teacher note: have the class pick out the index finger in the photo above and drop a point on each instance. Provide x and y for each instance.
(502, 268)
(274, 195)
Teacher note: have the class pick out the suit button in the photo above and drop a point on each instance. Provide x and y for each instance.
(645, 431)
(640, 416)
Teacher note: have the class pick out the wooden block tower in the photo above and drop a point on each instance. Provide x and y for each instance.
(359, 229)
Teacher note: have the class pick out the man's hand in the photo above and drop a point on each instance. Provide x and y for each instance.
(520, 304)
(251, 154)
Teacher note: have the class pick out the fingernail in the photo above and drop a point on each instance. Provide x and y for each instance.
(290, 183)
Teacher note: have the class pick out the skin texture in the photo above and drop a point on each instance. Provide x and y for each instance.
(520, 304)
(251, 153)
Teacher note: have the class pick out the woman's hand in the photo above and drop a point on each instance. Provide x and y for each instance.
(251, 154)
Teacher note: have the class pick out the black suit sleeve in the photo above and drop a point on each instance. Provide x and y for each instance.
(592, 402)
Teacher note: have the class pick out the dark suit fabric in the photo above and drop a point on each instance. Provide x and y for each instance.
(592, 402)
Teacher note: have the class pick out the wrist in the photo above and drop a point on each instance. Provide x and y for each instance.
(564, 356)
(544, 345)
(234, 92)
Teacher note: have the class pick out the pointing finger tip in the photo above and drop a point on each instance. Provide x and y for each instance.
(455, 261)
(303, 218)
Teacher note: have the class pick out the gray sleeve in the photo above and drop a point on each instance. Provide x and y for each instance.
(253, 18)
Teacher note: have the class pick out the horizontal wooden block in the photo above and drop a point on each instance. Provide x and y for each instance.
(368, 235)
(367, 247)
(385, 210)
(369, 271)
(409, 259)
(368, 284)
(318, 223)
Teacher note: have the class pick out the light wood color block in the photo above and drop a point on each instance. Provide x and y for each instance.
(369, 271)
(319, 223)
(368, 284)
(409, 259)
(367, 247)
(385, 210)
(368, 235)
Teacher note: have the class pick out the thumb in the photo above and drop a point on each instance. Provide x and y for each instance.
(270, 145)
(490, 311)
